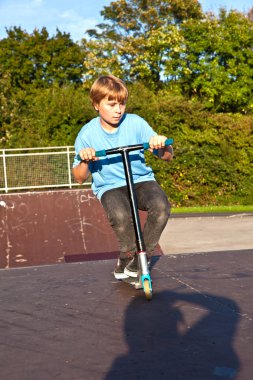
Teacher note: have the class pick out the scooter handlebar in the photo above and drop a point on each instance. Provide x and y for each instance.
(145, 146)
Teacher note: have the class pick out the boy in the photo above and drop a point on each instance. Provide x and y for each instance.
(113, 128)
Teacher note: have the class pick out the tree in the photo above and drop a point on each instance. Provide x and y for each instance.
(137, 38)
(216, 64)
(38, 60)
(172, 42)
(29, 63)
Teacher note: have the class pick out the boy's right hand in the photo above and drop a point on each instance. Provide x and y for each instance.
(88, 154)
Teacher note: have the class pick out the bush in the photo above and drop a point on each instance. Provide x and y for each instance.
(213, 152)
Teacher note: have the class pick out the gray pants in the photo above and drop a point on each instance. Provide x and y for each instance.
(150, 198)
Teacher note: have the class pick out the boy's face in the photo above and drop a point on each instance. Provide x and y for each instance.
(110, 112)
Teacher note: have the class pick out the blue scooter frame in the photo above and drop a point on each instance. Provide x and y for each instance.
(144, 278)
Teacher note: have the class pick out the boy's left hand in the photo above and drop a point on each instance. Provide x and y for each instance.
(158, 142)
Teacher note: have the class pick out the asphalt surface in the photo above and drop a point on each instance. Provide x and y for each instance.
(76, 322)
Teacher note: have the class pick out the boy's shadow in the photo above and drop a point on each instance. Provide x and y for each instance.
(179, 335)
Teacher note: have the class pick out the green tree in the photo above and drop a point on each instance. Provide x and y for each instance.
(39, 60)
(137, 38)
(216, 62)
(29, 63)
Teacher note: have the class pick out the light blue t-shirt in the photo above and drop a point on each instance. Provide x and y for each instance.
(108, 172)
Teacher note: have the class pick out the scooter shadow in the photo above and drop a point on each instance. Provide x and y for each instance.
(154, 260)
(179, 335)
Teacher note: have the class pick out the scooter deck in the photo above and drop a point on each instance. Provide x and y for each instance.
(135, 282)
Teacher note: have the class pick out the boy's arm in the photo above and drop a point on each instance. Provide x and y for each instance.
(164, 152)
(81, 172)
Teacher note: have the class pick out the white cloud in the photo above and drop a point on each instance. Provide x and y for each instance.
(69, 14)
(71, 17)
(70, 21)
(37, 2)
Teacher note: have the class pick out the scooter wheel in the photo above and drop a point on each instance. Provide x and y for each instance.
(147, 289)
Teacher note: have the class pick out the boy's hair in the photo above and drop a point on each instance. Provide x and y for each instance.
(108, 86)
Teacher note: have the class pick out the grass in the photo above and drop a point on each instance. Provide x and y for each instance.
(212, 209)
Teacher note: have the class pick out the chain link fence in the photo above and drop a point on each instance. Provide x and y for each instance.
(37, 168)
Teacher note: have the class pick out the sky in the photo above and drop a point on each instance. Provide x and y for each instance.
(75, 16)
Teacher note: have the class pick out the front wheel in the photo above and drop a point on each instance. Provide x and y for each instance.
(147, 289)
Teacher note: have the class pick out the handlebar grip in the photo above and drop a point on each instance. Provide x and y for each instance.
(100, 153)
(167, 142)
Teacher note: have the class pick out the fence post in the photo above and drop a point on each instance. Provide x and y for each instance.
(69, 168)
(5, 172)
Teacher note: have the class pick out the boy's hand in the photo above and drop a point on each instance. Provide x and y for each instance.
(157, 142)
(164, 152)
(88, 154)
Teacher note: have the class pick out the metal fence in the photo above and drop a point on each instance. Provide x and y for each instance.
(36, 168)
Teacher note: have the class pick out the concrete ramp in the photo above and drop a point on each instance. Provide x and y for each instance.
(39, 228)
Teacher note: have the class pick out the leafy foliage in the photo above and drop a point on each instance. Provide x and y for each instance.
(48, 117)
(38, 60)
(138, 38)
(216, 65)
(213, 161)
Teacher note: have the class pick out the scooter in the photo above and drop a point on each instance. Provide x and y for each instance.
(143, 280)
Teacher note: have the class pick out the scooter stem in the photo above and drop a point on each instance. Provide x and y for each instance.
(133, 201)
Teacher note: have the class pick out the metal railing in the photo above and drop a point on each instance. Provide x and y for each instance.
(36, 168)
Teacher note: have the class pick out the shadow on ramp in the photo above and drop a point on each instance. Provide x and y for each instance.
(179, 335)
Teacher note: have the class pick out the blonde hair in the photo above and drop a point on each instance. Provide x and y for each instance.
(108, 86)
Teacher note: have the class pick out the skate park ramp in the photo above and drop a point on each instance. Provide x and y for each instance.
(74, 321)
(54, 227)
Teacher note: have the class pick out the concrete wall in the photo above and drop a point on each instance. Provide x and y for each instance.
(49, 227)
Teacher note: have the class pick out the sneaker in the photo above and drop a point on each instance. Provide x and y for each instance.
(119, 270)
(131, 268)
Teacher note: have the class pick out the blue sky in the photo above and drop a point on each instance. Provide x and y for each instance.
(75, 16)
